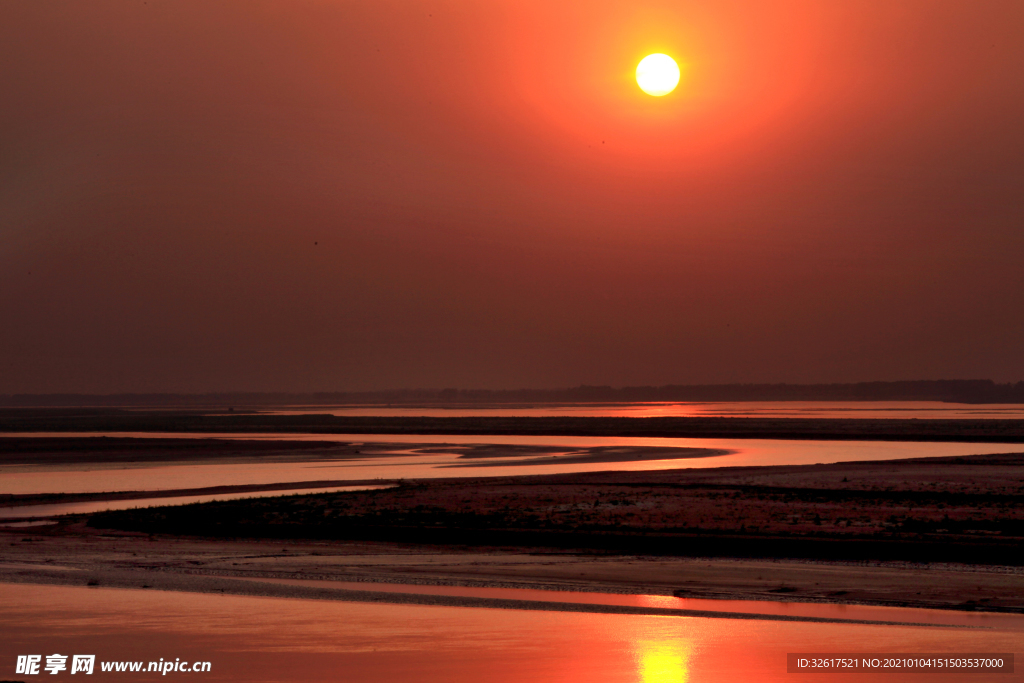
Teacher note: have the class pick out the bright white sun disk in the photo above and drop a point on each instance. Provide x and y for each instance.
(657, 74)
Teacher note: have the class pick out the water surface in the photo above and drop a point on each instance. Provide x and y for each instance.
(876, 410)
(89, 477)
(282, 640)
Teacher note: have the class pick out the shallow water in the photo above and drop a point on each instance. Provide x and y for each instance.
(23, 525)
(273, 639)
(97, 477)
(85, 507)
(932, 410)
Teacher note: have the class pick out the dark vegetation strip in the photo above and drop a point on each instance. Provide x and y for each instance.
(960, 391)
(693, 544)
(947, 498)
(563, 518)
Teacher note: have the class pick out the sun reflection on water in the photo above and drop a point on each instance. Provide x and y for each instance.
(662, 662)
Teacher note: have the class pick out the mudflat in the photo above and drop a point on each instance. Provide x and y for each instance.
(936, 532)
(73, 554)
(933, 532)
(920, 510)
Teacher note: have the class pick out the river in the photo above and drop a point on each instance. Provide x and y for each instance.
(259, 639)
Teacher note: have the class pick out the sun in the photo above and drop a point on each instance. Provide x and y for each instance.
(657, 74)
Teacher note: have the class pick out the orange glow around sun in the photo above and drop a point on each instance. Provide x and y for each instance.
(736, 78)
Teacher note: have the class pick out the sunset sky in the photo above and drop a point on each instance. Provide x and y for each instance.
(216, 195)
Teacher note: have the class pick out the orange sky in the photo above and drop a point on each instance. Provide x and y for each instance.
(355, 194)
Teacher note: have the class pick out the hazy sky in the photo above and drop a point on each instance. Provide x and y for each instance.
(202, 195)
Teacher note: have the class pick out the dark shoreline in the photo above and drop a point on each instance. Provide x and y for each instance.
(224, 585)
(112, 420)
(18, 500)
(699, 544)
(973, 391)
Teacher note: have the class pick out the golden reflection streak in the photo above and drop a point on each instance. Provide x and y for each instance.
(662, 662)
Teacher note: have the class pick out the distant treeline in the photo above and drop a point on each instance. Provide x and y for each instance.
(952, 391)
